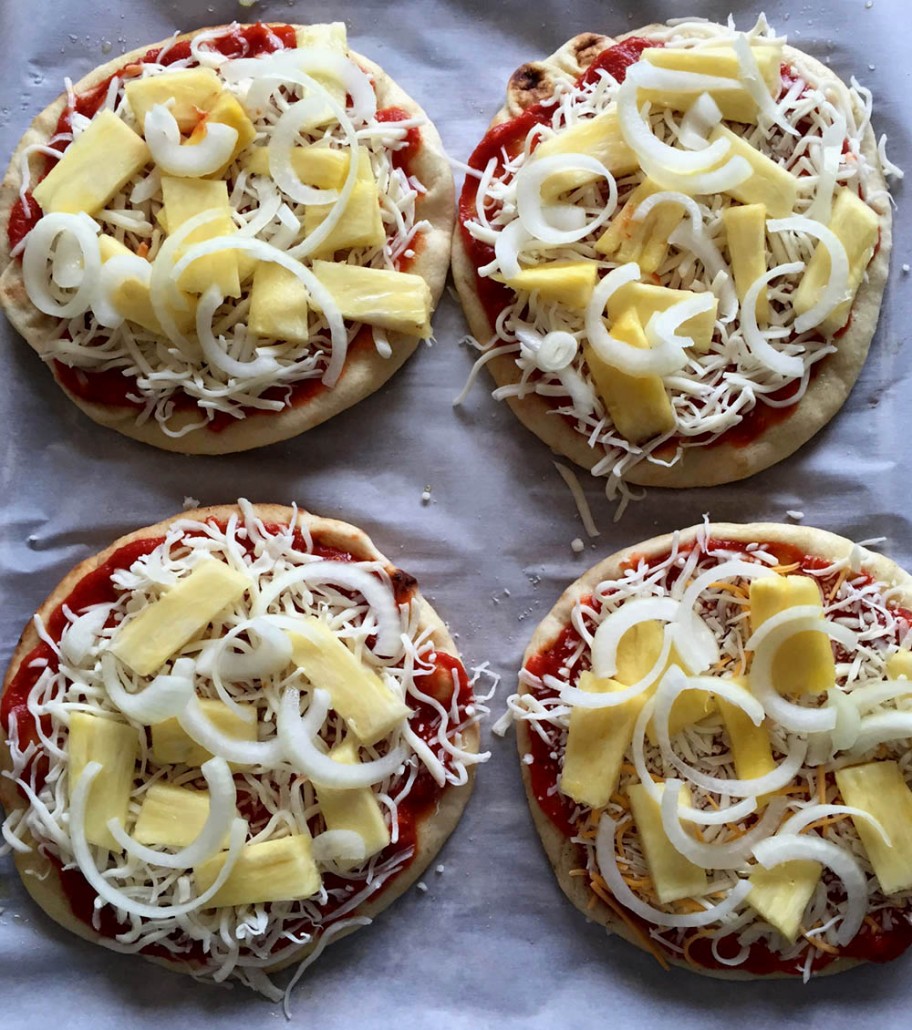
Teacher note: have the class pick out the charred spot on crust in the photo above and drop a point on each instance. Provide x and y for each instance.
(587, 46)
(403, 585)
(529, 84)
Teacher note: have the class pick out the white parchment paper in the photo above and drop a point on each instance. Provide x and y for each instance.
(492, 942)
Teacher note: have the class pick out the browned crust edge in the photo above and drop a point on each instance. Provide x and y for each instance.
(40, 876)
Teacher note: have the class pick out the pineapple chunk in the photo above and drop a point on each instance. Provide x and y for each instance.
(781, 894)
(109, 247)
(95, 166)
(227, 111)
(116, 746)
(899, 665)
(171, 745)
(360, 224)
(172, 816)
(646, 241)
(321, 167)
(745, 231)
(163, 627)
(736, 104)
(567, 282)
(184, 198)
(750, 744)
(804, 664)
(647, 300)
(332, 34)
(599, 137)
(770, 184)
(278, 305)
(638, 405)
(858, 229)
(596, 743)
(275, 870)
(357, 809)
(190, 92)
(673, 876)
(880, 789)
(398, 301)
(365, 702)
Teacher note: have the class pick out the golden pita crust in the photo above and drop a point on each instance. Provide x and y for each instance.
(40, 877)
(364, 373)
(723, 462)
(565, 855)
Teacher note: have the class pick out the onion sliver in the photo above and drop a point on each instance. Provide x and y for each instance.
(222, 814)
(110, 894)
(674, 683)
(734, 172)
(836, 289)
(270, 656)
(281, 144)
(66, 264)
(661, 329)
(767, 640)
(114, 272)
(790, 365)
(321, 297)
(724, 570)
(81, 635)
(376, 593)
(787, 848)
(730, 855)
(881, 728)
(699, 120)
(339, 845)
(661, 360)
(262, 366)
(529, 180)
(37, 253)
(831, 141)
(848, 720)
(753, 82)
(810, 814)
(189, 160)
(194, 722)
(507, 245)
(165, 697)
(695, 643)
(299, 735)
(608, 867)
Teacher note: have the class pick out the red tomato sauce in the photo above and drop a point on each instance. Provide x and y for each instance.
(96, 587)
(872, 943)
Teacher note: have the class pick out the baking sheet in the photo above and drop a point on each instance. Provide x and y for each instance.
(492, 941)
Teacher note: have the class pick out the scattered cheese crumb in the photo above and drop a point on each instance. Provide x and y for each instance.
(869, 4)
(796, 515)
(191, 502)
(906, 269)
(439, 869)
(582, 505)
(871, 67)
(426, 495)
(422, 886)
(528, 759)
(577, 545)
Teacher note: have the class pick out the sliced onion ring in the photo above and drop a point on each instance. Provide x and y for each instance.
(529, 181)
(790, 365)
(114, 272)
(803, 818)
(37, 254)
(194, 722)
(339, 845)
(165, 697)
(189, 160)
(262, 366)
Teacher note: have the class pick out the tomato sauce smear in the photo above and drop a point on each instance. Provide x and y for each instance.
(448, 677)
(873, 942)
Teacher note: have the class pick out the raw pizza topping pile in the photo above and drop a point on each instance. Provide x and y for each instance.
(232, 740)
(217, 222)
(669, 242)
(722, 731)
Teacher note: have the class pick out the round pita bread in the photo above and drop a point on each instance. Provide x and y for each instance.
(434, 823)
(722, 461)
(563, 854)
(365, 370)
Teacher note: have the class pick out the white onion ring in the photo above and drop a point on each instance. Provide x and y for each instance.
(790, 365)
(37, 253)
(699, 120)
(81, 635)
(339, 845)
(165, 697)
(194, 722)
(185, 159)
(507, 245)
(115, 271)
(262, 366)
(529, 180)
(806, 816)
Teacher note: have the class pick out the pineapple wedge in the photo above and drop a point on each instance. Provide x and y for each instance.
(674, 877)
(163, 627)
(770, 184)
(880, 789)
(745, 232)
(858, 229)
(370, 709)
(398, 301)
(116, 746)
(638, 405)
(646, 241)
(647, 300)
(172, 816)
(596, 743)
(274, 870)
(750, 744)
(98, 163)
(804, 664)
(599, 137)
(361, 224)
(278, 305)
(357, 809)
(781, 894)
(568, 282)
(171, 745)
(188, 92)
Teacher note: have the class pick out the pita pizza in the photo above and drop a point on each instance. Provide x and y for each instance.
(222, 240)
(672, 250)
(232, 738)
(714, 729)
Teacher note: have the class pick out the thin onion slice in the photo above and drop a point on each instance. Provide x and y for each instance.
(37, 253)
(197, 726)
(767, 640)
(733, 173)
(81, 635)
(661, 329)
(836, 289)
(110, 894)
(529, 208)
(298, 735)
(608, 867)
(728, 855)
(66, 264)
(339, 845)
(263, 366)
(699, 120)
(114, 272)
(789, 365)
(165, 697)
(813, 812)
(734, 568)
(281, 146)
(187, 160)
(831, 142)
(266, 657)
(788, 848)
(222, 814)
(881, 728)
(507, 246)
(753, 81)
